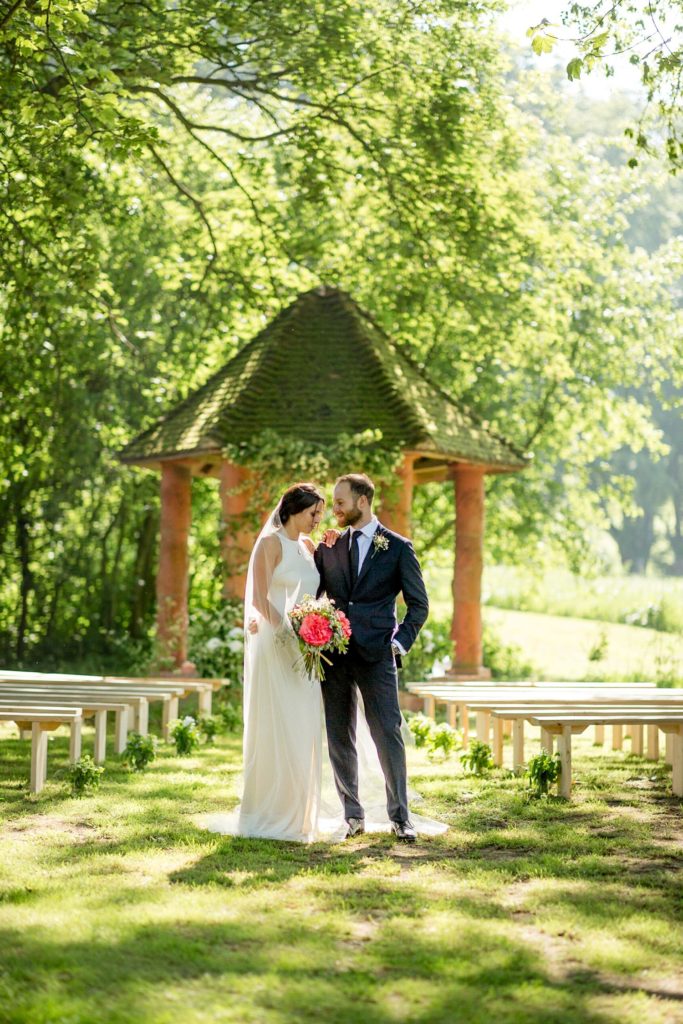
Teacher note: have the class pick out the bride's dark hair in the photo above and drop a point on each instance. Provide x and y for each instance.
(297, 499)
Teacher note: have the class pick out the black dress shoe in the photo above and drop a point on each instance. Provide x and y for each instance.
(356, 827)
(404, 831)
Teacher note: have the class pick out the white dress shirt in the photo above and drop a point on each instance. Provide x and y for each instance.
(364, 544)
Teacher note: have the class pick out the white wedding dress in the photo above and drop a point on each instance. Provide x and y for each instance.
(288, 791)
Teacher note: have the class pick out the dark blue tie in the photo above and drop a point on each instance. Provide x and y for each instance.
(355, 538)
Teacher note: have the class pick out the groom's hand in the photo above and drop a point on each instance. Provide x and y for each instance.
(330, 537)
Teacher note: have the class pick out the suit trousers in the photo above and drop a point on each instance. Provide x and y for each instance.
(378, 685)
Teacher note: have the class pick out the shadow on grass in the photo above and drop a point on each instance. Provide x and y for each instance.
(286, 968)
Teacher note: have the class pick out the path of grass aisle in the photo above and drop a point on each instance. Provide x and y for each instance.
(116, 909)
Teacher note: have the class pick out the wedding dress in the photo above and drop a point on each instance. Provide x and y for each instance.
(288, 790)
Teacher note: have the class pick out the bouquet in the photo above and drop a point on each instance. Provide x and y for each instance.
(319, 627)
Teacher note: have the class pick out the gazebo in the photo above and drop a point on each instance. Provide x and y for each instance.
(323, 367)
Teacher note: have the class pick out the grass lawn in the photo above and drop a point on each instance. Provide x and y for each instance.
(560, 647)
(117, 909)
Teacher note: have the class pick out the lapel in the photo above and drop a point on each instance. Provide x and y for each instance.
(372, 553)
(344, 560)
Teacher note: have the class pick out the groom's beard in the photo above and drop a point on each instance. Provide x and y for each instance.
(350, 518)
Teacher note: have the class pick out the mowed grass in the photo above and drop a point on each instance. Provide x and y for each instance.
(118, 909)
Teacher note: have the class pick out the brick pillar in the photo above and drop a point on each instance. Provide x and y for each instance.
(397, 505)
(469, 539)
(172, 578)
(238, 533)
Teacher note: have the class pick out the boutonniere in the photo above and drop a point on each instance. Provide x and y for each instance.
(380, 542)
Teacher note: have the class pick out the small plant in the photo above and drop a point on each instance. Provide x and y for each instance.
(543, 771)
(140, 751)
(444, 740)
(598, 651)
(477, 760)
(209, 726)
(186, 735)
(421, 728)
(83, 775)
(230, 717)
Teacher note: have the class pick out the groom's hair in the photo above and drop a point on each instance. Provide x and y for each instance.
(297, 499)
(360, 484)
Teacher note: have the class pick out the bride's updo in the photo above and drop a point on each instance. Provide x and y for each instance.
(297, 499)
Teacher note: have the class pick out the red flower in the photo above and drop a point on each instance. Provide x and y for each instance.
(315, 630)
(345, 624)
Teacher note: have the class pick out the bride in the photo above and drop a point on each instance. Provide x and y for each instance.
(282, 796)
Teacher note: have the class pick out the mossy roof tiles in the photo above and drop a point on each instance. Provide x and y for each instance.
(323, 368)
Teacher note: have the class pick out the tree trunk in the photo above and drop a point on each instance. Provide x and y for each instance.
(24, 551)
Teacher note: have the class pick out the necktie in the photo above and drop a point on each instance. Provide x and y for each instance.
(354, 555)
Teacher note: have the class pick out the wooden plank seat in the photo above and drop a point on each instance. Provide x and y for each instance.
(96, 708)
(139, 695)
(566, 724)
(41, 720)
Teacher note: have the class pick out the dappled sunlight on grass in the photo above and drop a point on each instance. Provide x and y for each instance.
(118, 907)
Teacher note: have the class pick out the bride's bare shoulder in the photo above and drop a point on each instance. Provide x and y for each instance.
(309, 544)
(270, 547)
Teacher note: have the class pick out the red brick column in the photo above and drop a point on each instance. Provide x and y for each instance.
(172, 578)
(469, 538)
(238, 534)
(397, 506)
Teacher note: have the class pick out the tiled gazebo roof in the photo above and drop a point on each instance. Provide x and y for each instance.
(323, 368)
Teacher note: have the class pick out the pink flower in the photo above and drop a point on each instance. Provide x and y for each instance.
(345, 624)
(315, 630)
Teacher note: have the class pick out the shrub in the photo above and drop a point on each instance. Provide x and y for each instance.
(506, 661)
(477, 760)
(230, 715)
(208, 726)
(186, 735)
(444, 740)
(140, 751)
(83, 775)
(421, 728)
(543, 771)
(216, 641)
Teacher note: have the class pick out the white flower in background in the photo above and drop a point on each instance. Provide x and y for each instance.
(189, 720)
(214, 643)
(236, 631)
(437, 668)
(236, 646)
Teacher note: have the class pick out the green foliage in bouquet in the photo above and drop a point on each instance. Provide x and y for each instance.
(84, 775)
(185, 733)
(477, 760)
(140, 751)
(543, 771)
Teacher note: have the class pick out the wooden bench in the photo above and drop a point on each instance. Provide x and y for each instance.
(96, 708)
(42, 720)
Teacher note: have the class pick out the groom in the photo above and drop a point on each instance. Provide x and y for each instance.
(363, 573)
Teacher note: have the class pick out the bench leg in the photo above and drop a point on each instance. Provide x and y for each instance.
(121, 730)
(452, 714)
(518, 744)
(669, 754)
(204, 703)
(626, 731)
(429, 707)
(617, 737)
(75, 742)
(637, 740)
(564, 743)
(677, 768)
(483, 726)
(507, 728)
(38, 757)
(142, 717)
(170, 713)
(100, 736)
(465, 718)
(547, 741)
(498, 742)
(653, 742)
(599, 735)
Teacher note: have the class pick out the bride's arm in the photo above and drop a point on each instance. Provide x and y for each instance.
(267, 556)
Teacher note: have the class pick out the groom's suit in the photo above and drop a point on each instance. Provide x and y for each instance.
(390, 567)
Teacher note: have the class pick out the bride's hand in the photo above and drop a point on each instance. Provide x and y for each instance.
(330, 537)
(253, 626)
